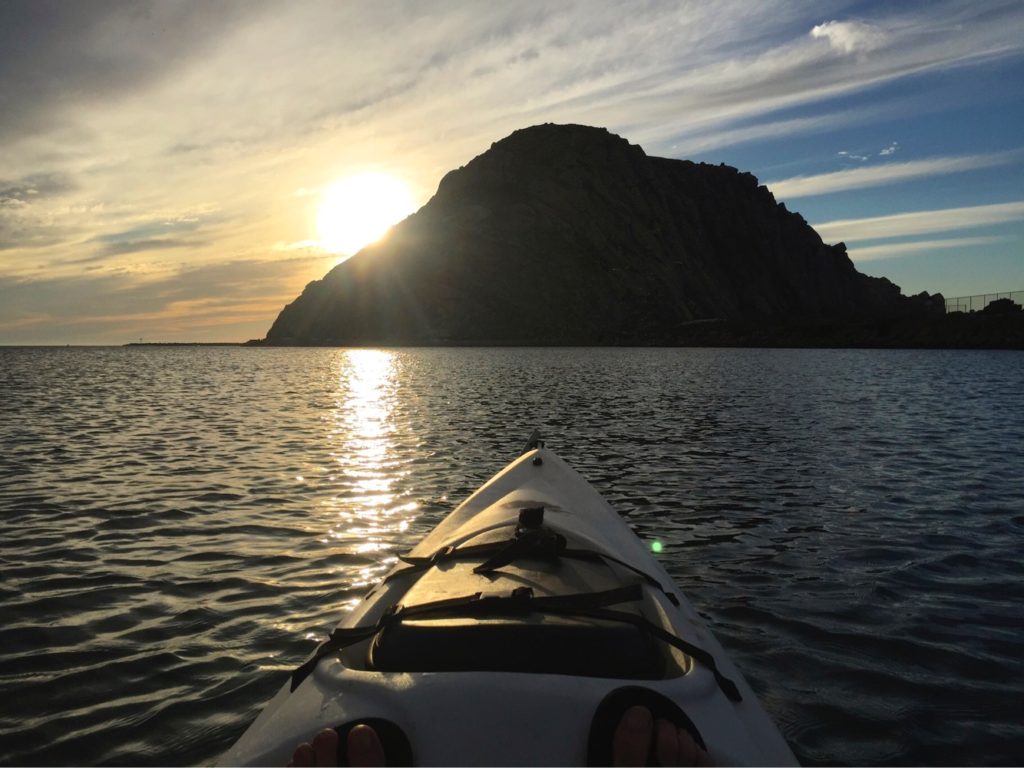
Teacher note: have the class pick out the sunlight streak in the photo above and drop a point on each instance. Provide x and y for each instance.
(368, 513)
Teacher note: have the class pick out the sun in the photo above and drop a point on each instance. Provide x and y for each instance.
(359, 210)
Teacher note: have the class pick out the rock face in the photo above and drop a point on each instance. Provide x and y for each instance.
(565, 234)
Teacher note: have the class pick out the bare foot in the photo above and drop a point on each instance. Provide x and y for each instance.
(672, 746)
(362, 748)
(630, 745)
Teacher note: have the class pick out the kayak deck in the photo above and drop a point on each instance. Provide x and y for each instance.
(524, 609)
(528, 643)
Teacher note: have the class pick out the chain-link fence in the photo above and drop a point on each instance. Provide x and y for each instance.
(980, 301)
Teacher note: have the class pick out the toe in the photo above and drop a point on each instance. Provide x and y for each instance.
(325, 747)
(666, 744)
(690, 752)
(703, 758)
(364, 747)
(303, 756)
(632, 737)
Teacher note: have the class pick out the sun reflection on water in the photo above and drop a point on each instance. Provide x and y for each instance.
(369, 509)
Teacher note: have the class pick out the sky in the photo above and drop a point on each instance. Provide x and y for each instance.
(163, 165)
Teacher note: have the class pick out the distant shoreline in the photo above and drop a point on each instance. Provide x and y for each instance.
(709, 344)
(184, 344)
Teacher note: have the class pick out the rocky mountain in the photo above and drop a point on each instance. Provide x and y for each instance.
(566, 234)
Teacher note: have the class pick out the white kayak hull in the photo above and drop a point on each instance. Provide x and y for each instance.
(493, 716)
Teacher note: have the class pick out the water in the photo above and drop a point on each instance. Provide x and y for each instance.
(182, 524)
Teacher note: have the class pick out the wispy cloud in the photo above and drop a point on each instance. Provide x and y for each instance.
(797, 73)
(67, 55)
(326, 65)
(155, 228)
(698, 139)
(920, 222)
(889, 173)
(300, 245)
(119, 305)
(850, 36)
(34, 187)
(890, 250)
(142, 246)
(177, 230)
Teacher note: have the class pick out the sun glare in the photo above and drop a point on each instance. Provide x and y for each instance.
(359, 210)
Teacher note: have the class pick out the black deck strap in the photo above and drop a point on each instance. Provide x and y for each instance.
(472, 606)
(504, 552)
(727, 686)
(522, 600)
(586, 600)
(397, 749)
(433, 607)
(589, 604)
(588, 554)
(530, 542)
(343, 637)
(609, 714)
(449, 552)
(419, 564)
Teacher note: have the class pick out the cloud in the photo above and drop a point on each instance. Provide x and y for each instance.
(890, 250)
(697, 139)
(61, 56)
(392, 73)
(326, 65)
(879, 175)
(850, 36)
(919, 223)
(153, 235)
(62, 231)
(300, 245)
(34, 187)
(228, 301)
(141, 246)
(890, 150)
(27, 221)
(712, 92)
(182, 222)
(18, 234)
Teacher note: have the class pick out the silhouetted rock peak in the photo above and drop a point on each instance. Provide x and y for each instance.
(568, 234)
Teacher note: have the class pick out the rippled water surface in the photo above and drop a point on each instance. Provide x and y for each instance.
(182, 524)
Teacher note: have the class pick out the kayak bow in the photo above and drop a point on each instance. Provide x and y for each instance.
(516, 633)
